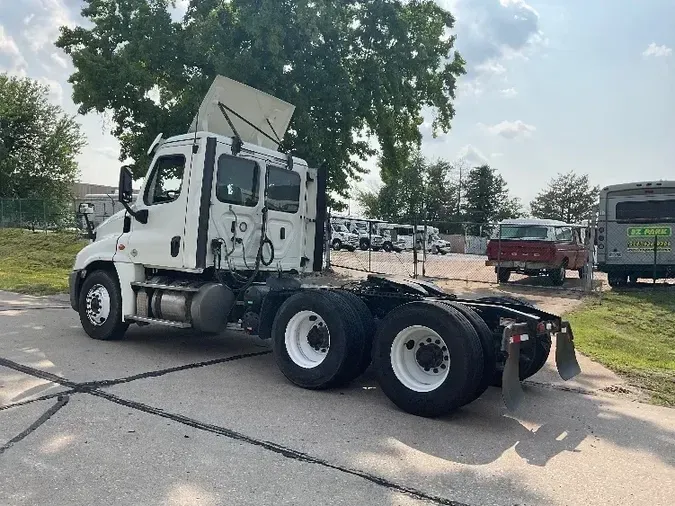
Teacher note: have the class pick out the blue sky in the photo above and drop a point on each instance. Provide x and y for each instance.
(552, 86)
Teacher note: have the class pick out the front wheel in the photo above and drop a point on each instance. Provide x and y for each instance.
(503, 275)
(364, 244)
(337, 244)
(557, 276)
(100, 307)
(387, 246)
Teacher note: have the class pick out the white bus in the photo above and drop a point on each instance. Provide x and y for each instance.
(634, 233)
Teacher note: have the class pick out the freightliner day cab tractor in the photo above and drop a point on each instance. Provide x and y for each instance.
(222, 228)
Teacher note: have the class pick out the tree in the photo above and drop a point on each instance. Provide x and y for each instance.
(350, 67)
(486, 200)
(38, 143)
(416, 192)
(567, 197)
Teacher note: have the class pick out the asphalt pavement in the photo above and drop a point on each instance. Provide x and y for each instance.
(168, 417)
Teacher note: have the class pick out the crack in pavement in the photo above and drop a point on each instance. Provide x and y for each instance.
(62, 401)
(162, 372)
(31, 308)
(30, 401)
(92, 388)
(275, 448)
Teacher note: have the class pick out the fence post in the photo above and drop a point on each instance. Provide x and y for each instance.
(370, 244)
(499, 252)
(327, 239)
(590, 249)
(656, 248)
(414, 245)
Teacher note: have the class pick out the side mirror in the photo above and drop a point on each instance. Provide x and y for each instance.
(125, 190)
(85, 209)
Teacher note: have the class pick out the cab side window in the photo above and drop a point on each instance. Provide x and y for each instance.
(166, 180)
(237, 181)
(564, 234)
(283, 190)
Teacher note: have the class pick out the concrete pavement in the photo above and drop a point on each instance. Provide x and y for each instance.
(169, 417)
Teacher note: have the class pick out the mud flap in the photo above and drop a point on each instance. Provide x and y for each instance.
(565, 357)
(512, 390)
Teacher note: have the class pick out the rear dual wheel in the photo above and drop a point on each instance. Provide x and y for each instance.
(322, 339)
(429, 358)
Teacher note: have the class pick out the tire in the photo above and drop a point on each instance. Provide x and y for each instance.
(617, 280)
(488, 345)
(336, 244)
(558, 276)
(582, 273)
(367, 324)
(387, 246)
(428, 393)
(364, 244)
(503, 275)
(319, 370)
(100, 294)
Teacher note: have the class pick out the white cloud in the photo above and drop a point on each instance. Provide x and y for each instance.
(496, 155)
(491, 67)
(107, 151)
(654, 50)
(508, 92)
(42, 26)
(54, 89)
(7, 44)
(59, 60)
(511, 129)
(16, 63)
(472, 155)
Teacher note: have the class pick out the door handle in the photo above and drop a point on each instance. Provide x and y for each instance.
(175, 246)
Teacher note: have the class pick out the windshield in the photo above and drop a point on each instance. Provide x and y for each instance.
(524, 232)
(338, 227)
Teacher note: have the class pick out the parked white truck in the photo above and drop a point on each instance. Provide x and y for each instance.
(222, 226)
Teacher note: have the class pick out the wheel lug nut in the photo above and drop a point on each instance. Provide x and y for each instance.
(444, 348)
(442, 366)
(323, 350)
(428, 339)
(435, 371)
(410, 344)
(446, 358)
(438, 341)
(426, 369)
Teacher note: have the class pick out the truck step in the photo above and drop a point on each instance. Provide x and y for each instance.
(145, 319)
(157, 286)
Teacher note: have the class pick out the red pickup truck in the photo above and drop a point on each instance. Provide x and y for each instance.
(537, 247)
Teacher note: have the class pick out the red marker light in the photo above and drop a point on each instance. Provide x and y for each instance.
(121, 247)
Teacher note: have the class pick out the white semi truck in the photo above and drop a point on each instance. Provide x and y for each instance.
(217, 236)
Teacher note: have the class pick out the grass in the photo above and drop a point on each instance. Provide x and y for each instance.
(37, 263)
(632, 333)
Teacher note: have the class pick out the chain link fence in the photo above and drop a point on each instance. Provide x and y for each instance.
(45, 214)
(522, 253)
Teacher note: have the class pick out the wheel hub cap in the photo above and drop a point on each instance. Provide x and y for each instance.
(98, 305)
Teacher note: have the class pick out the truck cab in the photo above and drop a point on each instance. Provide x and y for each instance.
(213, 200)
